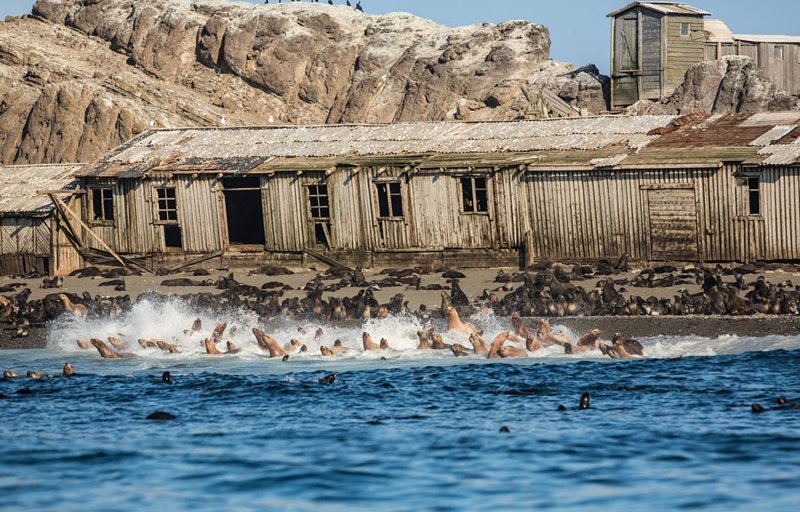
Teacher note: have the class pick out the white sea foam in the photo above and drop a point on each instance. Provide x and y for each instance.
(168, 321)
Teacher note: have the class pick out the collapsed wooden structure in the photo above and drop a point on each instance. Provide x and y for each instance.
(657, 188)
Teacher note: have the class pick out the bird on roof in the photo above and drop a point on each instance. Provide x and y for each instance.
(359, 8)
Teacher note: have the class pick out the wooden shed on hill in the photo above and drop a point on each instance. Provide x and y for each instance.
(31, 237)
(653, 44)
(472, 194)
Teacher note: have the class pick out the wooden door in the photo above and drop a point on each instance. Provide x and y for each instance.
(672, 219)
(626, 61)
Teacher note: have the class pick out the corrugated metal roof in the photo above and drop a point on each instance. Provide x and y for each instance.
(246, 149)
(717, 31)
(663, 8)
(21, 187)
(755, 38)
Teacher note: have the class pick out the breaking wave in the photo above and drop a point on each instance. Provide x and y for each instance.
(171, 321)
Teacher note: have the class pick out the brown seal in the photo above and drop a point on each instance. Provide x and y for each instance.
(590, 339)
(532, 343)
(68, 371)
(424, 341)
(325, 351)
(116, 343)
(479, 345)
(385, 344)
(77, 310)
(8, 374)
(520, 329)
(167, 347)
(339, 348)
(106, 352)
(146, 343)
(459, 350)
(34, 375)
(366, 340)
(268, 344)
(437, 343)
(219, 330)
(512, 352)
(292, 347)
(497, 344)
(547, 336)
(84, 344)
(454, 322)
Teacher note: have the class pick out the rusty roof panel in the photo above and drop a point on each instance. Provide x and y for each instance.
(23, 187)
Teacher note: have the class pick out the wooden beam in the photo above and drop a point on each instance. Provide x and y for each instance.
(327, 260)
(197, 260)
(94, 235)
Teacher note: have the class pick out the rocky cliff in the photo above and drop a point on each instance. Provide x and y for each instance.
(732, 84)
(81, 76)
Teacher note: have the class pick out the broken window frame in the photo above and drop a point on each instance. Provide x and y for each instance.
(754, 208)
(319, 214)
(162, 205)
(102, 211)
(474, 206)
(391, 199)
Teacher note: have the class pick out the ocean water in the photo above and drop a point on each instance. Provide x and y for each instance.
(398, 430)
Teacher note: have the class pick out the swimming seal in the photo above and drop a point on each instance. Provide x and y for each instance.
(328, 379)
(339, 348)
(586, 402)
(68, 371)
(459, 350)
(366, 340)
(160, 416)
(479, 345)
(107, 353)
(268, 344)
(166, 378)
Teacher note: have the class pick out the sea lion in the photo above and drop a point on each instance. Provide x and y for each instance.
(497, 344)
(511, 352)
(520, 329)
(446, 303)
(68, 371)
(586, 402)
(424, 341)
(232, 349)
(212, 350)
(167, 347)
(437, 343)
(368, 343)
(454, 322)
(328, 379)
(145, 344)
(34, 375)
(107, 353)
(216, 335)
(325, 351)
(166, 378)
(320, 333)
(385, 344)
(628, 349)
(479, 345)
(116, 342)
(8, 374)
(160, 416)
(84, 344)
(383, 313)
(590, 339)
(268, 344)
(197, 326)
(292, 347)
(77, 310)
(339, 348)
(547, 336)
(303, 349)
(459, 350)
(532, 343)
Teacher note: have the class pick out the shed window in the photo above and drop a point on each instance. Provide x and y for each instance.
(474, 196)
(777, 51)
(318, 202)
(319, 207)
(167, 204)
(686, 29)
(754, 195)
(103, 204)
(390, 200)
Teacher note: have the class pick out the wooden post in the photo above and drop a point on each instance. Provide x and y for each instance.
(94, 235)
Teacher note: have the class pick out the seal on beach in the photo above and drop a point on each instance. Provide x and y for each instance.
(77, 310)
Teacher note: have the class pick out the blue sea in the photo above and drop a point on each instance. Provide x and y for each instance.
(399, 429)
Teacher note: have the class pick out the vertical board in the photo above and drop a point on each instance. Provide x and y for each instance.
(673, 224)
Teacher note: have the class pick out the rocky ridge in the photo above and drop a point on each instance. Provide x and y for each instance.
(79, 77)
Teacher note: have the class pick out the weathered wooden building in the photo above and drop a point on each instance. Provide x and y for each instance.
(653, 44)
(722, 188)
(31, 236)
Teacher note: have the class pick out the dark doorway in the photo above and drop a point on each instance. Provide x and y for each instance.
(243, 207)
(172, 236)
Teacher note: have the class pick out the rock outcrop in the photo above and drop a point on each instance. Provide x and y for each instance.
(732, 84)
(81, 76)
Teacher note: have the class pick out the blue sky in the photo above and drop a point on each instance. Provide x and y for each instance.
(579, 28)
